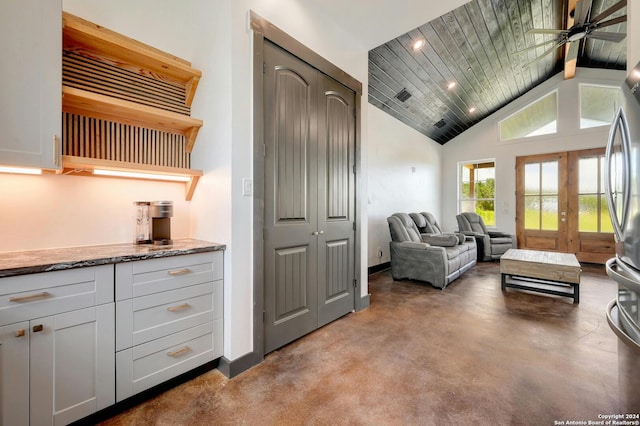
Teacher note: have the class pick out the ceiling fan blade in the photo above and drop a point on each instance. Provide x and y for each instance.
(546, 52)
(526, 49)
(581, 13)
(572, 54)
(618, 20)
(546, 31)
(613, 9)
(601, 35)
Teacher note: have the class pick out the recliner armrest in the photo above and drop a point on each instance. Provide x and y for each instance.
(441, 240)
(498, 234)
(472, 233)
(413, 244)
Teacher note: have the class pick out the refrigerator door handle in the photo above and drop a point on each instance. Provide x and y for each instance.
(613, 318)
(619, 124)
(624, 277)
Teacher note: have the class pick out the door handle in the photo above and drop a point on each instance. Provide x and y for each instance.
(37, 328)
(317, 233)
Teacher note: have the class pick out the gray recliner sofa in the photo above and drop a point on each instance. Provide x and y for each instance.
(491, 244)
(436, 259)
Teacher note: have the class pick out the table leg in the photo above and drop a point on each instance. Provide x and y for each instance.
(504, 281)
(576, 293)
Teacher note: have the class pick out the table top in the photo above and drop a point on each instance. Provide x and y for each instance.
(542, 257)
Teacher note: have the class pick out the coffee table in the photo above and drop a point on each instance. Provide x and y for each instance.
(541, 271)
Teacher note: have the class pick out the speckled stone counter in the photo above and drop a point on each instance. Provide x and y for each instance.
(34, 261)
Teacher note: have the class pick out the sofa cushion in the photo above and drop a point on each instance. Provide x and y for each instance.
(453, 252)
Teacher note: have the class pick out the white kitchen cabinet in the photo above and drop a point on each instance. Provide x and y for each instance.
(58, 368)
(14, 374)
(30, 83)
(168, 318)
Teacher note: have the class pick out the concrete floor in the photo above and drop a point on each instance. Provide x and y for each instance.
(468, 355)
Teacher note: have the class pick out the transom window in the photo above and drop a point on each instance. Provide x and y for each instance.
(477, 192)
(537, 118)
(598, 105)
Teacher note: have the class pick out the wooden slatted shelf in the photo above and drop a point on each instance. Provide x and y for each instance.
(82, 102)
(119, 81)
(128, 53)
(87, 166)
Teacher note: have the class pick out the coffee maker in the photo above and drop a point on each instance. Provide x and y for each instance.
(153, 222)
(161, 213)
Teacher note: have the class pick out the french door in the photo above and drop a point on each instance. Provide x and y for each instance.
(561, 206)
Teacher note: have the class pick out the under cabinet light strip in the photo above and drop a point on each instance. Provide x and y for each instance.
(21, 170)
(116, 173)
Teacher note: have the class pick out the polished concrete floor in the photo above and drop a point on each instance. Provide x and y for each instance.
(468, 355)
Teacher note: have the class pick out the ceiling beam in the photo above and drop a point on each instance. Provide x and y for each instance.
(570, 66)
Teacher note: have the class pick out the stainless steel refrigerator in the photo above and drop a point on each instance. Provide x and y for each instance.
(622, 186)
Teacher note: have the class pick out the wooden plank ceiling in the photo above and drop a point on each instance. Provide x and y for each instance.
(476, 47)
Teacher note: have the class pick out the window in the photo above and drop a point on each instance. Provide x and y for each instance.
(592, 203)
(477, 189)
(541, 195)
(537, 118)
(598, 104)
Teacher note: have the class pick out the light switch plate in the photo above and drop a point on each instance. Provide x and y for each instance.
(247, 187)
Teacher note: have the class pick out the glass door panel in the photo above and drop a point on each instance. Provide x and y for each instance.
(541, 201)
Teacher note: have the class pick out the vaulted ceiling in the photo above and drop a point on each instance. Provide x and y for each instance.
(473, 62)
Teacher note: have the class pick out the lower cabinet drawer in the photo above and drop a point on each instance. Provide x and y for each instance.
(146, 318)
(25, 297)
(152, 363)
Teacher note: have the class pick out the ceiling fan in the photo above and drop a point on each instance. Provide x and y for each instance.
(583, 26)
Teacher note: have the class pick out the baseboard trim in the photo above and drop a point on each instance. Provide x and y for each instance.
(377, 268)
(232, 368)
(365, 301)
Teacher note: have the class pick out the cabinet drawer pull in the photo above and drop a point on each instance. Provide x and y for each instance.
(180, 271)
(19, 299)
(20, 333)
(179, 351)
(178, 308)
(37, 328)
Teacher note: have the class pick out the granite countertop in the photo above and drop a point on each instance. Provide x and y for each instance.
(34, 261)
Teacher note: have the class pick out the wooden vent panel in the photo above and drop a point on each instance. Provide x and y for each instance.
(101, 77)
(107, 140)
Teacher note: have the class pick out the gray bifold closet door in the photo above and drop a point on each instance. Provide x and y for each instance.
(309, 188)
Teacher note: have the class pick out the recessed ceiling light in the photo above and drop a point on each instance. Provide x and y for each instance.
(418, 44)
(451, 85)
(472, 109)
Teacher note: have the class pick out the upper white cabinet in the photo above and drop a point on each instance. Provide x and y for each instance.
(30, 83)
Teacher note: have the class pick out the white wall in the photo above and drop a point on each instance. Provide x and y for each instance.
(404, 176)
(482, 141)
